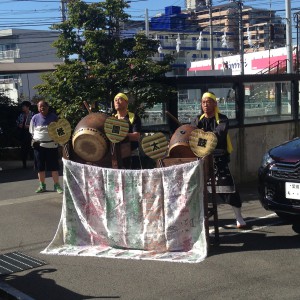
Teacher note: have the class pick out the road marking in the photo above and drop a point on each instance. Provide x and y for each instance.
(39, 197)
(254, 228)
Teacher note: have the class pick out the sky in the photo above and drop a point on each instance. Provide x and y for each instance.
(40, 14)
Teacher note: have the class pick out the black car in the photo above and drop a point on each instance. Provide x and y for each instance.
(279, 180)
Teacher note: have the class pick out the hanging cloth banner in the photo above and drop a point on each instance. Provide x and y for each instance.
(151, 214)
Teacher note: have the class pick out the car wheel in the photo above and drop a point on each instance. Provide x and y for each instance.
(288, 217)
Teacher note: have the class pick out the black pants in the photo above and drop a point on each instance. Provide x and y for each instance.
(26, 149)
(233, 199)
(132, 163)
(224, 181)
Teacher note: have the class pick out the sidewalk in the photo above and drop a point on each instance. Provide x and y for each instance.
(12, 171)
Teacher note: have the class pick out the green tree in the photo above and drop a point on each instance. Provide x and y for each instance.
(99, 62)
(4, 100)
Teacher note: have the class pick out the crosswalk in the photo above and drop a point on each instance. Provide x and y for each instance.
(16, 262)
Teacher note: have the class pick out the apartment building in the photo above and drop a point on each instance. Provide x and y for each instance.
(180, 35)
(186, 34)
(261, 29)
(25, 46)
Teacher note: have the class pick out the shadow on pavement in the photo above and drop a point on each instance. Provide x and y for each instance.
(13, 175)
(231, 240)
(34, 285)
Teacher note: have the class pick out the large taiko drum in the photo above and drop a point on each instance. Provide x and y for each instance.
(179, 144)
(89, 141)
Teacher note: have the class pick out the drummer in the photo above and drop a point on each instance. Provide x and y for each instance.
(134, 133)
(212, 120)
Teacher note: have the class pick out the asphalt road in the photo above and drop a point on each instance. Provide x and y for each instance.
(259, 263)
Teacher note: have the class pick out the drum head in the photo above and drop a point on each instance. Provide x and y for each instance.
(155, 146)
(60, 131)
(116, 129)
(202, 143)
(89, 144)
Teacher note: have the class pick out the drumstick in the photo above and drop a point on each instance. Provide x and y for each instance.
(173, 118)
(87, 106)
(66, 151)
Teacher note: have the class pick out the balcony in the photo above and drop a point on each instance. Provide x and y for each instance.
(9, 54)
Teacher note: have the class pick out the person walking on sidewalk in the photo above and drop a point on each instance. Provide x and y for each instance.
(46, 157)
(24, 135)
(212, 120)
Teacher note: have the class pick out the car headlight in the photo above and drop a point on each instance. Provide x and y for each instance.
(266, 160)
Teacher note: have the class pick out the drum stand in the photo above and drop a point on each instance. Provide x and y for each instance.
(209, 199)
(210, 207)
(116, 157)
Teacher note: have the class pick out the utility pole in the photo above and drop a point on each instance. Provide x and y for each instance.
(64, 10)
(289, 50)
(147, 23)
(211, 41)
(297, 19)
(241, 36)
(64, 16)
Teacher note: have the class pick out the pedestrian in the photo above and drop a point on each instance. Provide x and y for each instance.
(134, 133)
(24, 136)
(212, 120)
(46, 157)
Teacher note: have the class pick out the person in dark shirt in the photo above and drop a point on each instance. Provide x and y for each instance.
(212, 120)
(134, 133)
(24, 135)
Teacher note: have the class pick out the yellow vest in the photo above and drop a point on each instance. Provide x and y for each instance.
(130, 115)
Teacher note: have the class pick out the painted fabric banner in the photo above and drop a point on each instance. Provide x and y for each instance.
(153, 214)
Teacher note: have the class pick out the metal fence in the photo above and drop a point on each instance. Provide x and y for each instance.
(245, 99)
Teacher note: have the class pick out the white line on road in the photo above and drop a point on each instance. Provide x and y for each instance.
(254, 228)
(39, 197)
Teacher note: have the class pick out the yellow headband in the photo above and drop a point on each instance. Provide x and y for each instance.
(209, 95)
(121, 95)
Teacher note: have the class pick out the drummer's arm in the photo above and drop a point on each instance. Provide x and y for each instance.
(134, 136)
(222, 129)
(196, 122)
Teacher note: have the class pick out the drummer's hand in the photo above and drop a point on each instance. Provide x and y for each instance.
(199, 125)
(134, 136)
(126, 140)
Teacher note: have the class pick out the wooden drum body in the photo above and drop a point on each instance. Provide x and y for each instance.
(89, 141)
(179, 143)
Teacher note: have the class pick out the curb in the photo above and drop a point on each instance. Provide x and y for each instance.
(13, 164)
(7, 292)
